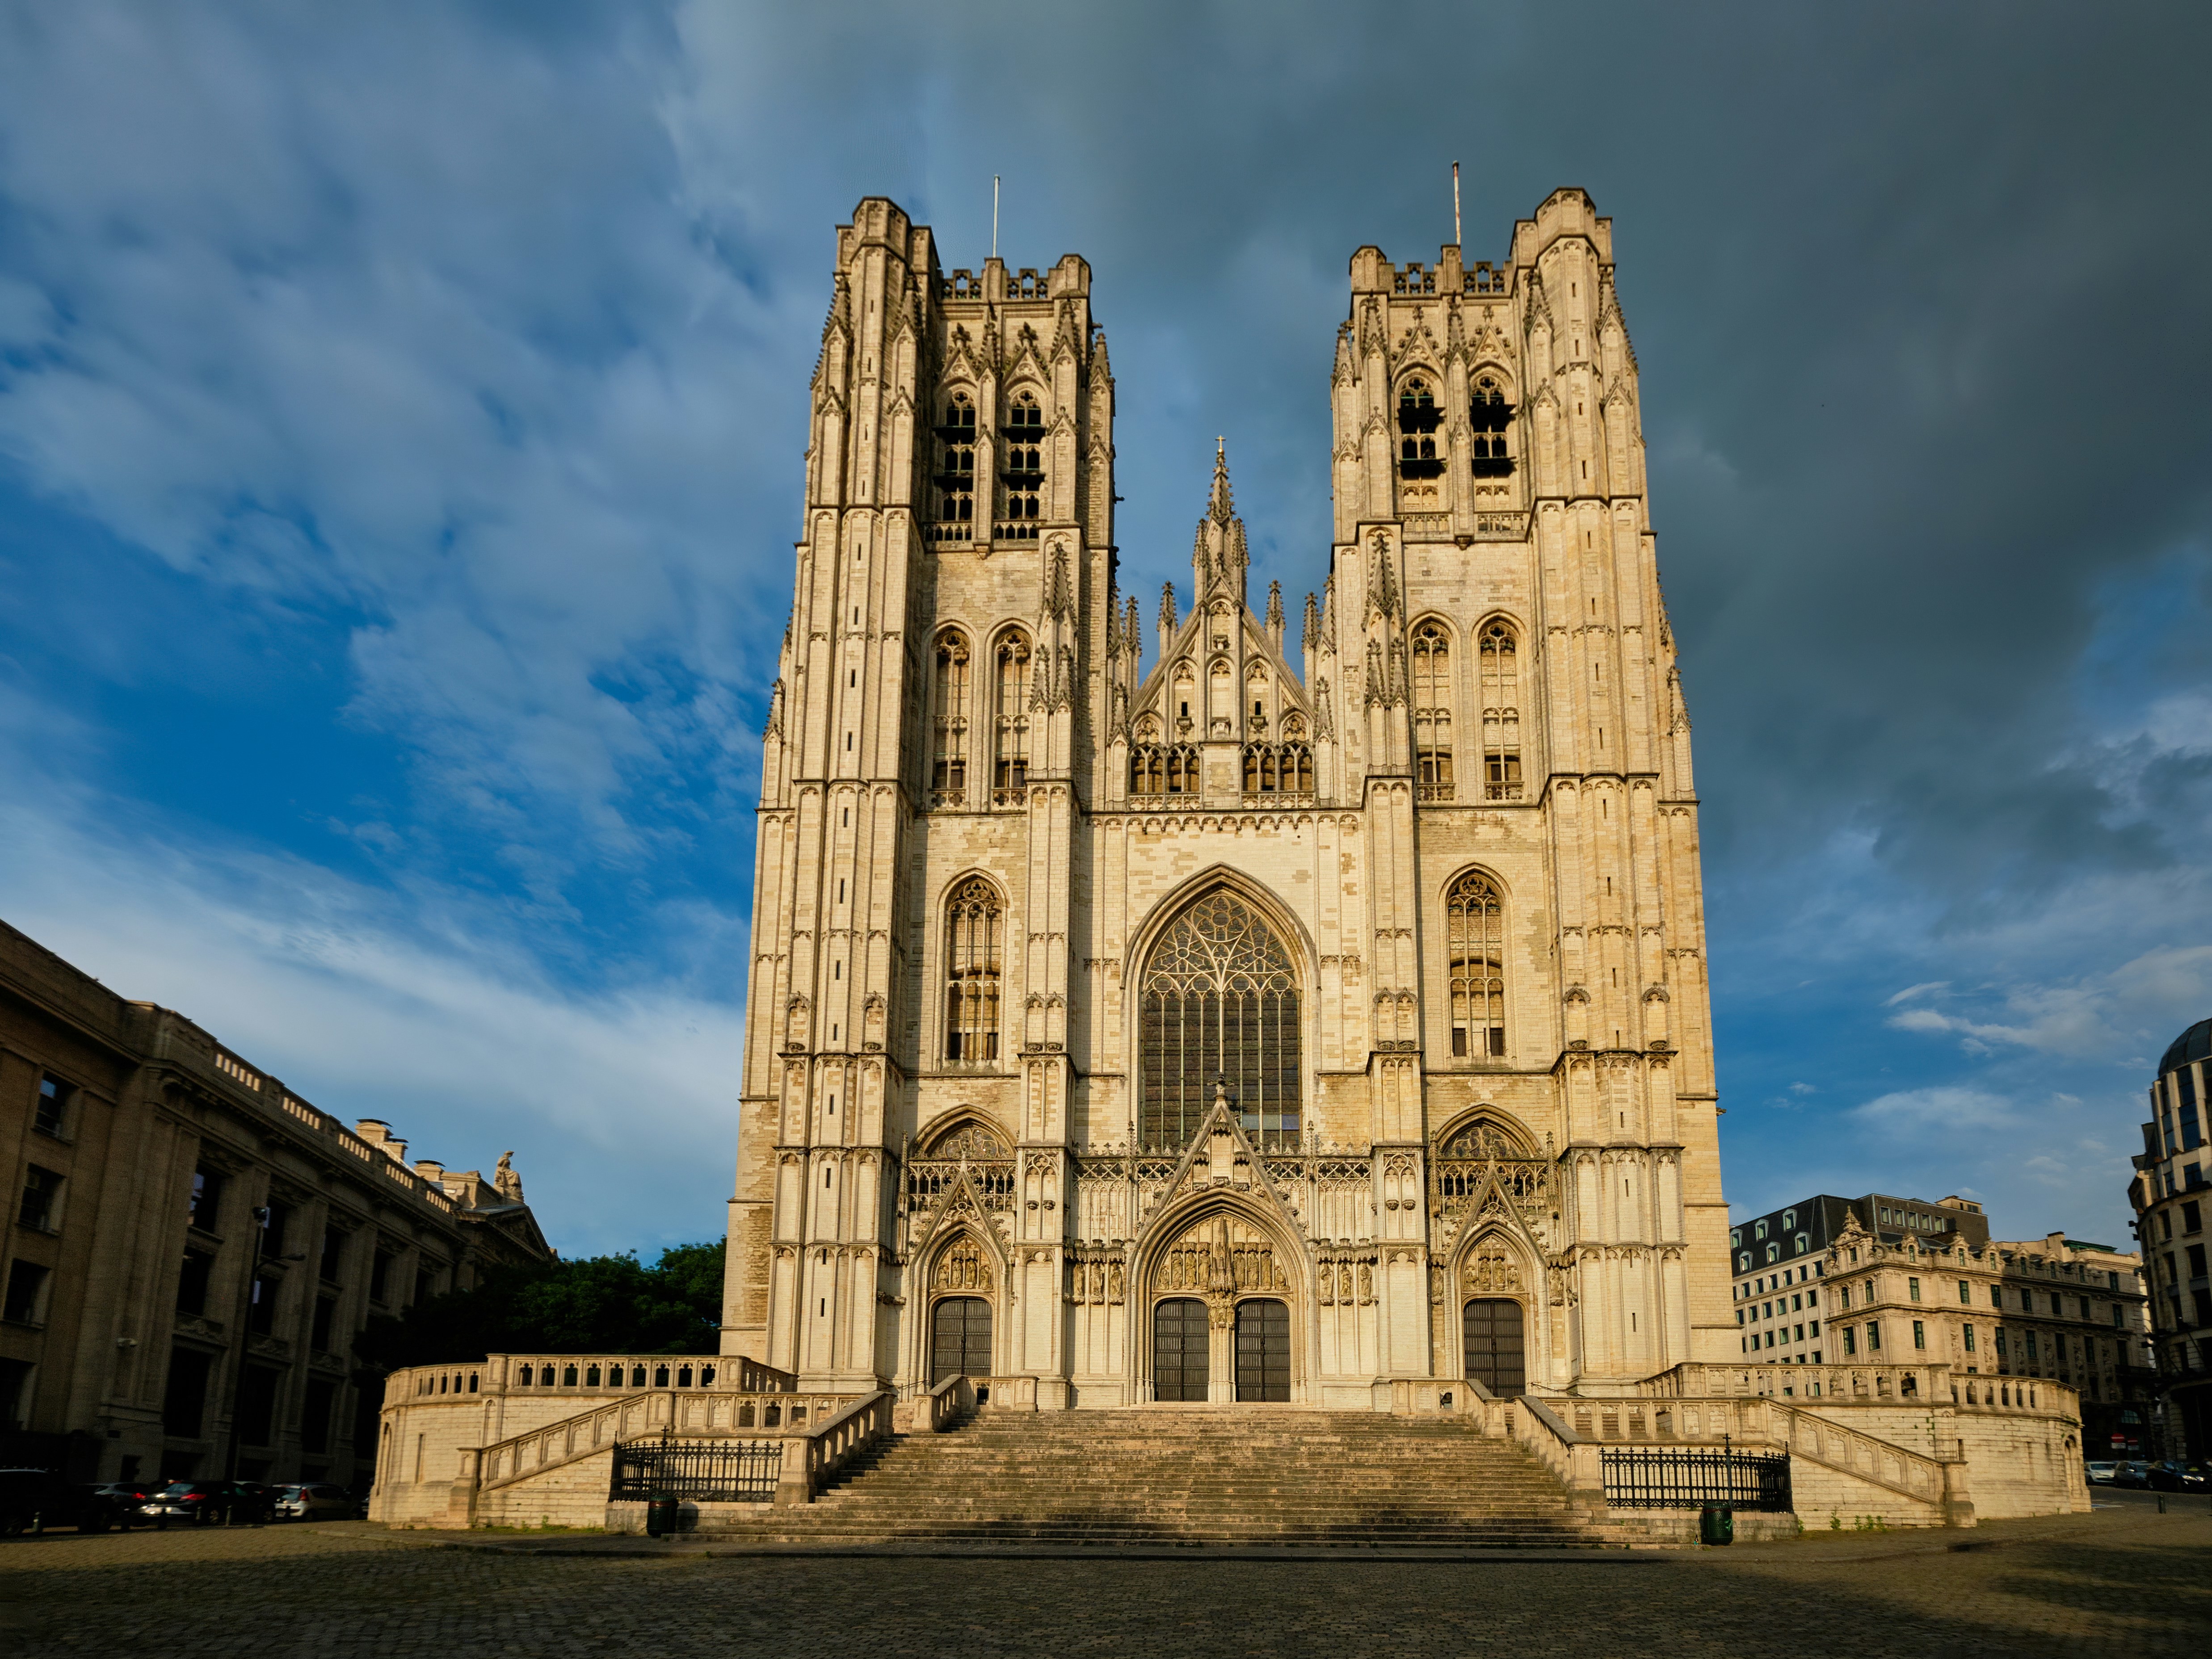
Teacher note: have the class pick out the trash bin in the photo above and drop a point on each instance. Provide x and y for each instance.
(1716, 1524)
(663, 1516)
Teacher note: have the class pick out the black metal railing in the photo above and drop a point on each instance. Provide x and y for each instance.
(715, 1472)
(1690, 1479)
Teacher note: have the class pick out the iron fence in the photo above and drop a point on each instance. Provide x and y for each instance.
(704, 1472)
(1690, 1479)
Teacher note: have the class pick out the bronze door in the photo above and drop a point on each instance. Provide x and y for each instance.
(960, 1338)
(1263, 1350)
(1491, 1332)
(1179, 1350)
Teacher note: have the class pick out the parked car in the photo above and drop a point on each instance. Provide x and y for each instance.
(313, 1501)
(2174, 1476)
(2132, 1475)
(2101, 1471)
(33, 1500)
(203, 1503)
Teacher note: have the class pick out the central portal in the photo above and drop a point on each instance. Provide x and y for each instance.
(1263, 1349)
(1179, 1338)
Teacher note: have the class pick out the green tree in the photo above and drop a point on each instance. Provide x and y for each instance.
(600, 1304)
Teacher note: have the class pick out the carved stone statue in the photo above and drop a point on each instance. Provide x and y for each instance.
(504, 1179)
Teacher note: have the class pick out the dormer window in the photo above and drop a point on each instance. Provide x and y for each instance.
(1489, 416)
(1023, 471)
(1418, 420)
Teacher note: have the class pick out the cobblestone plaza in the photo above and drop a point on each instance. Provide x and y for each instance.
(2123, 1579)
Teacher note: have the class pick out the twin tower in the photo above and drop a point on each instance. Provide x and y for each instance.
(1217, 1007)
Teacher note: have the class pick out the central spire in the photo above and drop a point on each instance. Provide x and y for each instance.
(1218, 557)
(1221, 509)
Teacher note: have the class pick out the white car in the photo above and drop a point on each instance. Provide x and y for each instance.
(2101, 1473)
(314, 1501)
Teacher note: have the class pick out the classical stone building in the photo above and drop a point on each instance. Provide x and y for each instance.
(2170, 1194)
(1246, 1006)
(191, 1247)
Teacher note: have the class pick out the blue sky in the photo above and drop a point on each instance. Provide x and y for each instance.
(400, 420)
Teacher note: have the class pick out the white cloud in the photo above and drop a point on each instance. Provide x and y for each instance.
(621, 1104)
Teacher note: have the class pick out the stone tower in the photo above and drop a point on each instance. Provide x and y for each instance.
(1329, 1028)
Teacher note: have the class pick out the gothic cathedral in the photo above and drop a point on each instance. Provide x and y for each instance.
(1155, 1015)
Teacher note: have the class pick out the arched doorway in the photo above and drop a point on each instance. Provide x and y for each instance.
(1263, 1349)
(959, 1338)
(1494, 1345)
(1179, 1339)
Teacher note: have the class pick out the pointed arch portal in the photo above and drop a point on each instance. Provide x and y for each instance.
(1218, 1001)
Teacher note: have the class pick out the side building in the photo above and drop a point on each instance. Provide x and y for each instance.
(1890, 1280)
(2169, 1196)
(193, 1248)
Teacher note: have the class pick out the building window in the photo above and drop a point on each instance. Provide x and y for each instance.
(193, 1282)
(380, 1274)
(1773, 1254)
(2192, 1221)
(1851, 1341)
(318, 1338)
(333, 1255)
(276, 1222)
(1474, 933)
(1489, 416)
(1966, 1294)
(1919, 1333)
(1912, 1290)
(26, 1284)
(42, 1207)
(1023, 473)
(1012, 717)
(956, 473)
(206, 1209)
(1432, 706)
(1218, 1007)
(1418, 420)
(261, 1307)
(184, 1400)
(315, 1416)
(973, 917)
(54, 1098)
(1498, 648)
(1874, 1336)
(1969, 1330)
(948, 774)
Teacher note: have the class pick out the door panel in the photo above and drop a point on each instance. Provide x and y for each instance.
(960, 1338)
(1179, 1350)
(1494, 1346)
(1263, 1350)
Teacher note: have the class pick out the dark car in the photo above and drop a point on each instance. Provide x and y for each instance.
(2132, 1475)
(33, 1500)
(203, 1503)
(2174, 1476)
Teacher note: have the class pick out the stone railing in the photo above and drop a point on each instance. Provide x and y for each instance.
(541, 1376)
(942, 1407)
(808, 1463)
(1866, 1384)
(1938, 1480)
(1532, 1424)
(696, 1414)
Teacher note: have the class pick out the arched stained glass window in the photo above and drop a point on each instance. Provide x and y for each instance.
(956, 471)
(1418, 420)
(1474, 935)
(1012, 761)
(973, 921)
(1023, 473)
(948, 763)
(1432, 710)
(1501, 713)
(1218, 1001)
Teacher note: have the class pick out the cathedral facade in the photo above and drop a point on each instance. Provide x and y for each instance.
(1224, 1006)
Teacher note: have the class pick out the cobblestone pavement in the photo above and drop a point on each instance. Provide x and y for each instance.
(2123, 1580)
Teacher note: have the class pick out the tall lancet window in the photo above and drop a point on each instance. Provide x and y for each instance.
(1023, 473)
(1501, 713)
(1432, 710)
(948, 772)
(973, 921)
(956, 471)
(1489, 416)
(1218, 1003)
(1475, 938)
(1012, 754)
(1418, 420)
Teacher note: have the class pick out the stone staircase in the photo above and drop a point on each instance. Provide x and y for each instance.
(1230, 1475)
